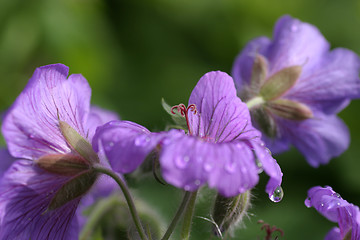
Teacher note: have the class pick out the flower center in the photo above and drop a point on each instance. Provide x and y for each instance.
(184, 111)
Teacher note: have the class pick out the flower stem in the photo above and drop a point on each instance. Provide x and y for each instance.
(127, 195)
(255, 102)
(186, 228)
(101, 208)
(177, 216)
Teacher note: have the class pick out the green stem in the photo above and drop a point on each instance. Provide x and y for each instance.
(101, 208)
(127, 196)
(255, 102)
(177, 216)
(186, 228)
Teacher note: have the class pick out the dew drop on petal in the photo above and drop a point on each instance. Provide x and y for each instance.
(259, 165)
(294, 28)
(230, 167)
(181, 162)
(142, 140)
(208, 167)
(187, 188)
(336, 195)
(277, 195)
(197, 182)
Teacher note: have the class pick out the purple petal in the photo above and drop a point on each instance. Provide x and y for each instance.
(31, 126)
(270, 166)
(319, 139)
(242, 68)
(5, 160)
(188, 162)
(126, 144)
(329, 203)
(221, 116)
(295, 43)
(25, 194)
(331, 83)
(333, 234)
(98, 117)
(325, 201)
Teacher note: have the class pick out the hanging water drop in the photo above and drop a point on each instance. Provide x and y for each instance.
(277, 195)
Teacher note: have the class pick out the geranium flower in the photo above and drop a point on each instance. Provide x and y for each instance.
(330, 204)
(295, 86)
(49, 128)
(221, 148)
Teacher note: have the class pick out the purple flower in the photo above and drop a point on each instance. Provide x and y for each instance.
(295, 86)
(333, 207)
(48, 129)
(221, 148)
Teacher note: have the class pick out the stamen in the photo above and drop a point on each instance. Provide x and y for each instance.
(183, 110)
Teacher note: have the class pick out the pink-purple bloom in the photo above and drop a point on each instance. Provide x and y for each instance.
(221, 148)
(330, 204)
(48, 129)
(301, 85)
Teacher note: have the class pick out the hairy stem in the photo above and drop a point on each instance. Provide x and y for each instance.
(127, 196)
(186, 228)
(177, 216)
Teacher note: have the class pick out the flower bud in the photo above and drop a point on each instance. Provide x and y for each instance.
(228, 212)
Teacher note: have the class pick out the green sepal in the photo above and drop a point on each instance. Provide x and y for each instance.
(280, 82)
(289, 109)
(78, 143)
(259, 73)
(265, 121)
(72, 189)
(228, 212)
(63, 164)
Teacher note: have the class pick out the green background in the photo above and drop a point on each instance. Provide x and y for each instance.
(135, 52)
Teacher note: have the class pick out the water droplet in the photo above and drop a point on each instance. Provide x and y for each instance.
(243, 170)
(230, 167)
(259, 165)
(142, 140)
(197, 182)
(208, 167)
(338, 203)
(336, 195)
(262, 144)
(111, 144)
(187, 188)
(322, 204)
(242, 190)
(294, 28)
(277, 195)
(182, 162)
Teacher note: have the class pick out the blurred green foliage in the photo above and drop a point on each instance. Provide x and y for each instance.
(135, 52)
